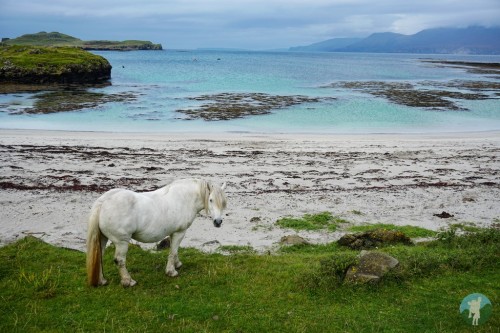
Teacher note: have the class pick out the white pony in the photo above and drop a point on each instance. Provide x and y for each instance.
(121, 215)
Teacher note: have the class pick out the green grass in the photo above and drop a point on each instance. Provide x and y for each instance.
(236, 249)
(324, 220)
(50, 59)
(42, 288)
(408, 230)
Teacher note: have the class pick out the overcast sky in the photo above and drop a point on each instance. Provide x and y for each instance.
(250, 24)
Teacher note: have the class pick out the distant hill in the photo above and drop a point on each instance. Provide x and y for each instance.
(471, 40)
(58, 39)
(329, 45)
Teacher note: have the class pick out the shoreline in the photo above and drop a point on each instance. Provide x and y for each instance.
(228, 135)
(51, 178)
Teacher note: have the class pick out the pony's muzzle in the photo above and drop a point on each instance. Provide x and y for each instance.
(217, 223)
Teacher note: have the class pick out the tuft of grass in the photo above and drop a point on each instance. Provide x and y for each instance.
(324, 220)
(408, 230)
(42, 284)
(310, 248)
(233, 249)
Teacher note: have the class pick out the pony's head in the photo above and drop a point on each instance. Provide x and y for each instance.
(215, 202)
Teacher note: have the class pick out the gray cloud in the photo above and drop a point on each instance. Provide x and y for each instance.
(253, 24)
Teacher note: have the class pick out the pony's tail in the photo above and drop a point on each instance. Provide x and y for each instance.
(94, 253)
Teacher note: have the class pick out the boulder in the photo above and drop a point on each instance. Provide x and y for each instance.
(371, 268)
(373, 239)
(293, 240)
(444, 215)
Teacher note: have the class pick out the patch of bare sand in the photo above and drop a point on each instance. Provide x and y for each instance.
(49, 180)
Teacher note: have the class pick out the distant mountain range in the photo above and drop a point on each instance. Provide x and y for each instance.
(471, 40)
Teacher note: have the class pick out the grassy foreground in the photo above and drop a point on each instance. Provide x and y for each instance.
(42, 288)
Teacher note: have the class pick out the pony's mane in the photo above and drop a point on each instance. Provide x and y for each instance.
(206, 188)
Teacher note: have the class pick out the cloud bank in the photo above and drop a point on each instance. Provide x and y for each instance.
(252, 24)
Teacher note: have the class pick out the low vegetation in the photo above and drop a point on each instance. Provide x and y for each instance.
(324, 220)
(42, 288)
(408, 230)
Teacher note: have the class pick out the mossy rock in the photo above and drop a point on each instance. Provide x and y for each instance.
(42, 65)
(371, 268)
(374, 239)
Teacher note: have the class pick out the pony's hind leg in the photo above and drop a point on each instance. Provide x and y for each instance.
(120, 260)
(173, 258)
(102, 280)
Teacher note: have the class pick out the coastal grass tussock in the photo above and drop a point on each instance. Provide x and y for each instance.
(298, 290)
(408, 230)
(324, 220)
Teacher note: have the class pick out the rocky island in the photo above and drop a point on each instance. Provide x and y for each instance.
(47, 65)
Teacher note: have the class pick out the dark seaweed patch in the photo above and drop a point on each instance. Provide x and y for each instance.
(226, 106)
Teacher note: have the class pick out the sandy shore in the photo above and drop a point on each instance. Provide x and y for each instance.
(49, 180)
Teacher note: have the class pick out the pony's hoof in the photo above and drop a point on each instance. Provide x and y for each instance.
(178, 264)
(128, 283)
(172, 273)
(103, 282)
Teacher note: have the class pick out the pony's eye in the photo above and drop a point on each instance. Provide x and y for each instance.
(211, 200)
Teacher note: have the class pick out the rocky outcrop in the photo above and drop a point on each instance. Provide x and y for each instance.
(42, 65)
(69, 74)
(373, 239)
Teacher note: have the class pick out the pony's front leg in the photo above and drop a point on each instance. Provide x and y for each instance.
(173, 258)
(120, 260)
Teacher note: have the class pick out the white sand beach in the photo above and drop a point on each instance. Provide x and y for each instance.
(50, 179)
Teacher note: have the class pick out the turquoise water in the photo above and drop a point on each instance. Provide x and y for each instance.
(164, 80)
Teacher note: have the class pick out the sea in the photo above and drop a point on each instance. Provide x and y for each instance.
(163, 82)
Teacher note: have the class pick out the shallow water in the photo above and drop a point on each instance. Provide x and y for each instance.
(163, 82)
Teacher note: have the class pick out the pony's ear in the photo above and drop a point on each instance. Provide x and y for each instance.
(223, 187)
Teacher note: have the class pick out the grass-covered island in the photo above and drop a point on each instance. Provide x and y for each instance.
(58, 39)
(43, 65)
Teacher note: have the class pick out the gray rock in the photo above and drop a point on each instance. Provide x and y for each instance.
(372, 267)
(293, 240)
